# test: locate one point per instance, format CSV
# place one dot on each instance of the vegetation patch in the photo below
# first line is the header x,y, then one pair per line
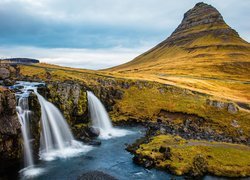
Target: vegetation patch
x,y
196,157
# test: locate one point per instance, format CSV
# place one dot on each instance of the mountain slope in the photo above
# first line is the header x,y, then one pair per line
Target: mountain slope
x,y
202,45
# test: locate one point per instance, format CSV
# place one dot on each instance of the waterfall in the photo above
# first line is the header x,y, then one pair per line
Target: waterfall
x,y
100,118
56,138
55,131
23,113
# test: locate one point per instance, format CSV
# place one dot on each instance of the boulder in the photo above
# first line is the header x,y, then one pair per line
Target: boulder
x,y
4,73
93,132
96,175
232,108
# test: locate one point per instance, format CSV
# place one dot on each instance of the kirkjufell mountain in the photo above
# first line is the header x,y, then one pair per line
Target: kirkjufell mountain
x,y
202,45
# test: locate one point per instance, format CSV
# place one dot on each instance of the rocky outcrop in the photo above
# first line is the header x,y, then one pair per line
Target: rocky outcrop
x,y
231,107
71,98
18,61
34,119
8,74
10,132
96,175
207,18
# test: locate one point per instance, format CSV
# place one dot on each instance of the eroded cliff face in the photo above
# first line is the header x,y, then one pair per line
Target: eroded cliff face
x,y
11,140
201,20
10,129
181,111
8,74
71,98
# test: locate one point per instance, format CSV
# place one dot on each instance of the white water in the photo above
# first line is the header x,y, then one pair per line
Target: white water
x,y
100,119
23,116
56,140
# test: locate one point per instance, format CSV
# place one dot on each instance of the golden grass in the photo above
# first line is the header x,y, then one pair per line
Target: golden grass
x,y
146,102
223,159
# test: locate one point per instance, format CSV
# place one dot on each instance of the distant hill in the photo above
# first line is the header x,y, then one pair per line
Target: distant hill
x,y
202,45
18,61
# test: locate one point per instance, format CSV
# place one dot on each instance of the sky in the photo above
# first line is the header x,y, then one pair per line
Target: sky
x,y
97,34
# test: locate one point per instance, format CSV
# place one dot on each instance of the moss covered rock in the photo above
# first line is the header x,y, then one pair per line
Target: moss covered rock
x,y
195,157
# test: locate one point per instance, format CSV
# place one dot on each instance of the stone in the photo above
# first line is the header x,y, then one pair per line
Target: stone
x,y
93,132
8,82
232,108
96,175
235,124
4,73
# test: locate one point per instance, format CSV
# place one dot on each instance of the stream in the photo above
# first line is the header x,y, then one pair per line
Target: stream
x,y
110,157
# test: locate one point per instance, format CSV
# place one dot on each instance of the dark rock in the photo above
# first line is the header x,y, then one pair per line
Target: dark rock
x,y
8,82
4,73
162,149
10,132
96,175
147,162
118,94
91,142
93,132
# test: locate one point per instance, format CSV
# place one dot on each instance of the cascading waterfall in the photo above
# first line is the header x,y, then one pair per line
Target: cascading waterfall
x,y
100,118
23,113
55,131
56,137
56,140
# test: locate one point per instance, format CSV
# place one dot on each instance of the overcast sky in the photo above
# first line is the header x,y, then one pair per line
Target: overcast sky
x,y
99,33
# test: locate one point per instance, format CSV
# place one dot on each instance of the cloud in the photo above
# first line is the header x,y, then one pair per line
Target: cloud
x,y
102,23
60,26
79,58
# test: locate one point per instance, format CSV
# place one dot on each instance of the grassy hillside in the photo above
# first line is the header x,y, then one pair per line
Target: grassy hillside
x,y
202,54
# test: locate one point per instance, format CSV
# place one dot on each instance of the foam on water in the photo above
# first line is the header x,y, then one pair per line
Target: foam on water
x,y
76,149
31,172
112,133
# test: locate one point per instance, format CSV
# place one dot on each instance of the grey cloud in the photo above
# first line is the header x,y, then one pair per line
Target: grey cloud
x,y
100,24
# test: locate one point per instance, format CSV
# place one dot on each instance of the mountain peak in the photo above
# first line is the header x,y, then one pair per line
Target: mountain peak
x,y
201,14
203,44
202,19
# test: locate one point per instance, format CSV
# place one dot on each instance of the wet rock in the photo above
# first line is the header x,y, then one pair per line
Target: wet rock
x,y
147,162
93,132
91,142
96,175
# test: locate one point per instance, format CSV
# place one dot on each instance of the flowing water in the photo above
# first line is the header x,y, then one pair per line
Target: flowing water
x,y
70,157
111,158
23,113
56,140
100,119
